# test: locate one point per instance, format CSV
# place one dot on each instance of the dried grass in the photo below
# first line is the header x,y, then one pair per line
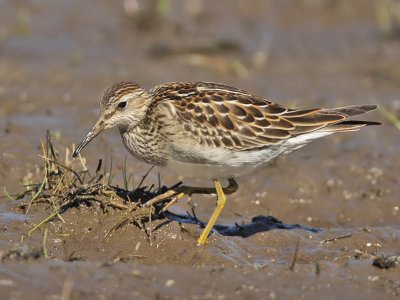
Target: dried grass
x,y
65,186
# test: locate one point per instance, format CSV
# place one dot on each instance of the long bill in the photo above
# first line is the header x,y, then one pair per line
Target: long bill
x,y
97,128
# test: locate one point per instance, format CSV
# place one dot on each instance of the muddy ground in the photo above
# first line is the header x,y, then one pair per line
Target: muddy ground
x,y
56,59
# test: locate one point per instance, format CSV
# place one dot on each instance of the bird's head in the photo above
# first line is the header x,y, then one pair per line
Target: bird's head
x,y
123,105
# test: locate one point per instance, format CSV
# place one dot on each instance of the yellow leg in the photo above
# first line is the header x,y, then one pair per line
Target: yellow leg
x,y
221,199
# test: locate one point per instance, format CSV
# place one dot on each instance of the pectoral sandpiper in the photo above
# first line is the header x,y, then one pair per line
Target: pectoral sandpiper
x,y
214,131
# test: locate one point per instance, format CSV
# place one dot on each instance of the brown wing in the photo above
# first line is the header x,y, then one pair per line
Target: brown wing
x,y
219,115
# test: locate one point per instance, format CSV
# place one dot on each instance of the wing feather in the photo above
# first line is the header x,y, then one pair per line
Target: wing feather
x,y
219,115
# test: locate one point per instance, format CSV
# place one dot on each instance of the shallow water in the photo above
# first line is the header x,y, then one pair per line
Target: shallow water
x,y
56,59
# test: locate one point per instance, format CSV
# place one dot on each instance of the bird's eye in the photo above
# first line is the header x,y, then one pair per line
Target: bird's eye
x,y
122,105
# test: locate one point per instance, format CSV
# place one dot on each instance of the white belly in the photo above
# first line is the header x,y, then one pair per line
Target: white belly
x,y
209,171
193,160
220,163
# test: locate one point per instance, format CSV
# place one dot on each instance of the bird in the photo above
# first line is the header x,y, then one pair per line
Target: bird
x,y
213,131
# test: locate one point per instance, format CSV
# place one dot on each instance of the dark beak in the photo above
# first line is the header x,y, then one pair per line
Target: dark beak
x,y
97,128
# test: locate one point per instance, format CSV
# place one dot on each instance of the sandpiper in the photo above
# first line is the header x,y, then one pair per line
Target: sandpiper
x,y
214,131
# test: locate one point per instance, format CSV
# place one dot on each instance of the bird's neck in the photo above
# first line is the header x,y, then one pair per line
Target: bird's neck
x,y
123,128
126,128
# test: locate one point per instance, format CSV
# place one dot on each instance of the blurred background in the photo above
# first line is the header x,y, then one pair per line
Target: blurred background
x,y
58,57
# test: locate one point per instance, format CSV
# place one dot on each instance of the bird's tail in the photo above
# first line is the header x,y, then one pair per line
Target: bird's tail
x,y
349,112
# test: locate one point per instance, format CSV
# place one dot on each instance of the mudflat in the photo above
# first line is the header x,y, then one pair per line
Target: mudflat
x,y
56,59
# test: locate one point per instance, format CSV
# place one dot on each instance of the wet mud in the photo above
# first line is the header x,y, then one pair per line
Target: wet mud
x,y
310,226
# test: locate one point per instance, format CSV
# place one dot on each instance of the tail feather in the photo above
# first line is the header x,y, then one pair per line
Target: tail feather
x,y
314,124
328,120
344,126
351,125
353,110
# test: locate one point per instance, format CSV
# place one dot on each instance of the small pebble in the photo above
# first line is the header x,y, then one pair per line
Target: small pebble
x,y
169,282
136,273
373,278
